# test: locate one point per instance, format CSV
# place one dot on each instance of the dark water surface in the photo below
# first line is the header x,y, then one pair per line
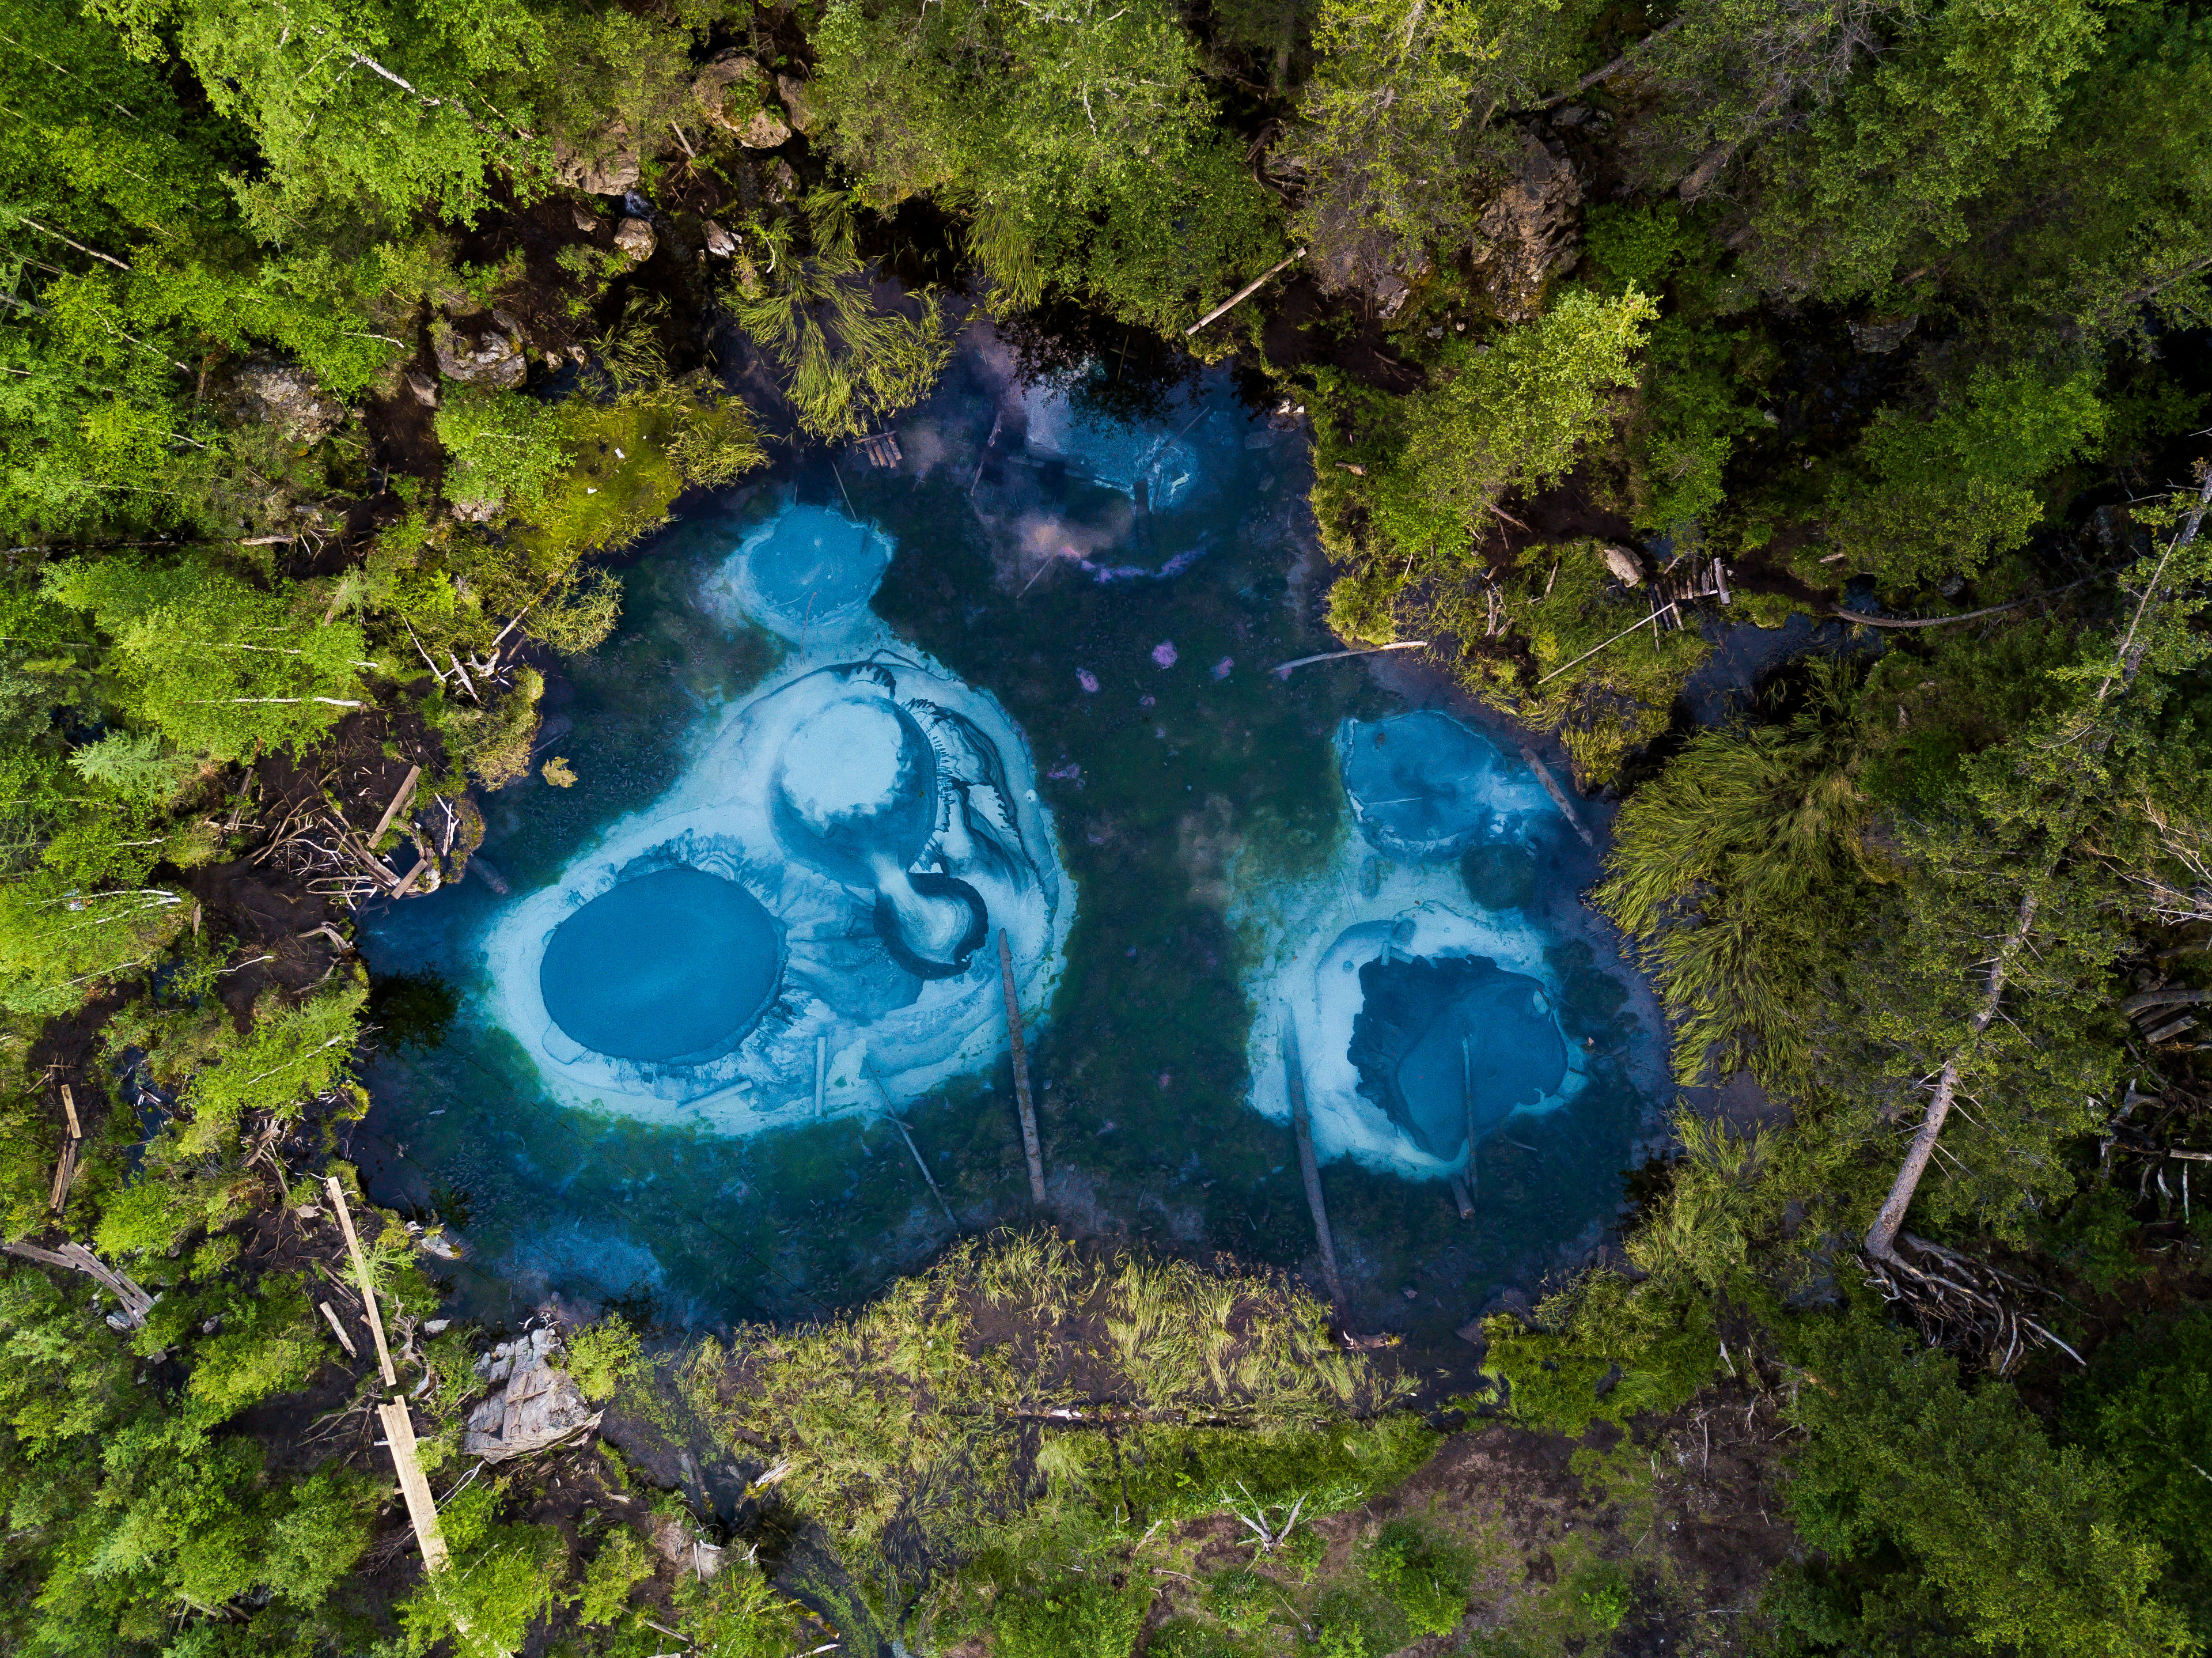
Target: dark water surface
x,y
1121,593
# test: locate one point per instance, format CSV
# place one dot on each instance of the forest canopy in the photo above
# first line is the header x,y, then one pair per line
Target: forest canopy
x,y
349,349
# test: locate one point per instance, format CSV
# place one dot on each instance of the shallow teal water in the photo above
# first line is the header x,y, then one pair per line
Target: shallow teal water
x,y
1189,791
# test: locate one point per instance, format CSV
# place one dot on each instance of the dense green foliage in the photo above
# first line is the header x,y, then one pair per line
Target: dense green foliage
x,y
345,345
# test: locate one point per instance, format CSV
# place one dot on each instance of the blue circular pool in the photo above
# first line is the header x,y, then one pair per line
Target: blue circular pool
x,y
671,968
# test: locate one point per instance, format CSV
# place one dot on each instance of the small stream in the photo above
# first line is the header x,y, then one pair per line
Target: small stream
x,y
859,725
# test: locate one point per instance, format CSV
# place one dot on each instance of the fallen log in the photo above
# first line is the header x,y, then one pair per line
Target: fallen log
x,y
1031,1148
1309,1167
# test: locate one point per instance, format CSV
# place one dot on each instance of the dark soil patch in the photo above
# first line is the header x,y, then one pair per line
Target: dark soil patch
x,y
1305,326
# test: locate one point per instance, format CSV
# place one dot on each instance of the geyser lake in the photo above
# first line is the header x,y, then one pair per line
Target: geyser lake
x,y
856,723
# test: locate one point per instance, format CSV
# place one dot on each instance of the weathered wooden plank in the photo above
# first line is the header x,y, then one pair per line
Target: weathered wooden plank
x,y
399,800
360,1276
422,1507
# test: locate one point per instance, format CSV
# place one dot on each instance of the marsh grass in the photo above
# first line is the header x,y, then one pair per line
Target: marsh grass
x,y
1005,1369
1564,601
996,1443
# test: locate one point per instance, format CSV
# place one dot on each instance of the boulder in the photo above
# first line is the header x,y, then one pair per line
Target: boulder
x,y
492,356
763,129
634,238
719,242
285,396
583,218
1348,257
539,1404
1627,569
422,387
730,89
1528,235
606,164
795,103
1882,334
782,182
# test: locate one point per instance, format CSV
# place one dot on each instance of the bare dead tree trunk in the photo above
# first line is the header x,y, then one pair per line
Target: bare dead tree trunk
x,y
1881,1236
2133,646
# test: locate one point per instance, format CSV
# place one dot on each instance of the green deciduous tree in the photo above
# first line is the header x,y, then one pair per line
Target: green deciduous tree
x,y
216,664
1075,139
1436,465
391,104
1394,139
1944,494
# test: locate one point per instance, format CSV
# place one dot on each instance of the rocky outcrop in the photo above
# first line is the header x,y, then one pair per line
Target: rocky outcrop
x,y
271,392
1528,233
533,1404
492,356
1880,336
606,164
796,106
732,90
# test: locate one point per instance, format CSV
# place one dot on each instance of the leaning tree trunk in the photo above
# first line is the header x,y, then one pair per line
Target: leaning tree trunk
x,y
2133,647
1881,1236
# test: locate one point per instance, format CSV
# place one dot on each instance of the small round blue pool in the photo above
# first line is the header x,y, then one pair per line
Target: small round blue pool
x,y
671,968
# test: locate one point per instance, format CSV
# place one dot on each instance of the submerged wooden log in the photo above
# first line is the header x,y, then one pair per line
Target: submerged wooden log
x,y
1031,1149
892,1111
1309,1167
1467,1088
1559,795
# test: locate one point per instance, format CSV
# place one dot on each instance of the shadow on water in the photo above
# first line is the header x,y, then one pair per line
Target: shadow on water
x,y
1180,773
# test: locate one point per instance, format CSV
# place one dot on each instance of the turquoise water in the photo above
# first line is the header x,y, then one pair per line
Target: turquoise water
x,y
1110,599
667,966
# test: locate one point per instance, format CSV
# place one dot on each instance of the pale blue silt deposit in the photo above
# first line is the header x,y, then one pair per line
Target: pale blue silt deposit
x,y
810,908
1421,1014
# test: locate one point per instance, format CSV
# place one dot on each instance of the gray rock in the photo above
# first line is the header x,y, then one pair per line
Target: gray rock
x,y
424,389
285,396
539,1405
494,357
1626,568
1879,335
606,164
719,242
765,129
730,90
1528,235
634,238
583,218
783,183
793,93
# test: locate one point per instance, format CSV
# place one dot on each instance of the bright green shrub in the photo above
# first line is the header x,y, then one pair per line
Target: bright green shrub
x,y
1077,1617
